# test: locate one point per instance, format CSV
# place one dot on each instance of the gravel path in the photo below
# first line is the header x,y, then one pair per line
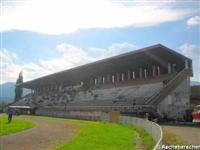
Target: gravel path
x,y
189,135
41,137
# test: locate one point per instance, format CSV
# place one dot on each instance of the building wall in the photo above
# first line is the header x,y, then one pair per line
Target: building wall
x,y
175,105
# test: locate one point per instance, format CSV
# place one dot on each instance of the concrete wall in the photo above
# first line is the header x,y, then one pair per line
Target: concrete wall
x,y
77,115
175,104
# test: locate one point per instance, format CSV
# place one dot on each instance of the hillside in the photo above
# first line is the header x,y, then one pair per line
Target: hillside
x,y
194,83
8,91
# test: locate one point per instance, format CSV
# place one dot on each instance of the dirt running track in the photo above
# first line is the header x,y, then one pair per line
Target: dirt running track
x,y
189,135
41,137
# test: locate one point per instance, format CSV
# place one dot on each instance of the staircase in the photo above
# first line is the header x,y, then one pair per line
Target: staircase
x,y
156,98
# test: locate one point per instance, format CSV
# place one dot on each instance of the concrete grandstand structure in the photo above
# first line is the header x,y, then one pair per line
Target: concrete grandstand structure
x,y
154,79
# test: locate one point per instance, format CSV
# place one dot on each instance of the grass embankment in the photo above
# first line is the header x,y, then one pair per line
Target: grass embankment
x,y
170,138
147,140
98,136
15,126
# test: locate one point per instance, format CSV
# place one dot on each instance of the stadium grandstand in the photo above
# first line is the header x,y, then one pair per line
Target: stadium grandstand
x,y
154,80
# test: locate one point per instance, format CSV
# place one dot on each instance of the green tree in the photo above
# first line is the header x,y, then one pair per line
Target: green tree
x,y
18,89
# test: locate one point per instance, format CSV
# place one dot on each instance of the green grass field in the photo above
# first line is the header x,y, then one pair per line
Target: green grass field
x,y
98,136
15,126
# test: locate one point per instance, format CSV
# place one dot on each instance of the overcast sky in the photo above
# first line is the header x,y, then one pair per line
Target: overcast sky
x,y
42,37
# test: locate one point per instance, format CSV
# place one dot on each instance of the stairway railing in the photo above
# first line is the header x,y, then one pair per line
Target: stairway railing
x,y
156,98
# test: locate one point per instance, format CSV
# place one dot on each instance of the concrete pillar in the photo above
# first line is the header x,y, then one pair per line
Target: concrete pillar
x,y
95,81
129,75
113,79
133,75
103,79
169,68
140,72
154,70
145,73
122,76
118,77
186,64
173,68
158,68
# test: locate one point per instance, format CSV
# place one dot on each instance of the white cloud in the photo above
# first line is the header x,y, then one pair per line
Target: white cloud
x,y
71,56
193,51
193,21
61,16
114,49
190,50
10,68
6,56
7,64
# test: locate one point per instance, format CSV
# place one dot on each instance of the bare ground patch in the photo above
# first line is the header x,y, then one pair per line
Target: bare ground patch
x,y
42,137
188,135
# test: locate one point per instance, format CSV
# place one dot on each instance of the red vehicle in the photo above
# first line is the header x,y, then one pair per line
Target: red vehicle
x,y
196,114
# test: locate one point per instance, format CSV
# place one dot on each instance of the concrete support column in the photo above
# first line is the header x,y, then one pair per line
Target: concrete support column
x,y
140,72
158,68
113,79
186,64
145,73
129,75
173,68
103,79
169,68
133,75
122,76
154,70
118,77
95,81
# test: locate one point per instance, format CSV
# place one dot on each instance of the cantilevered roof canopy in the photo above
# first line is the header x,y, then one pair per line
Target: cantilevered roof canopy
x,y
145,57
